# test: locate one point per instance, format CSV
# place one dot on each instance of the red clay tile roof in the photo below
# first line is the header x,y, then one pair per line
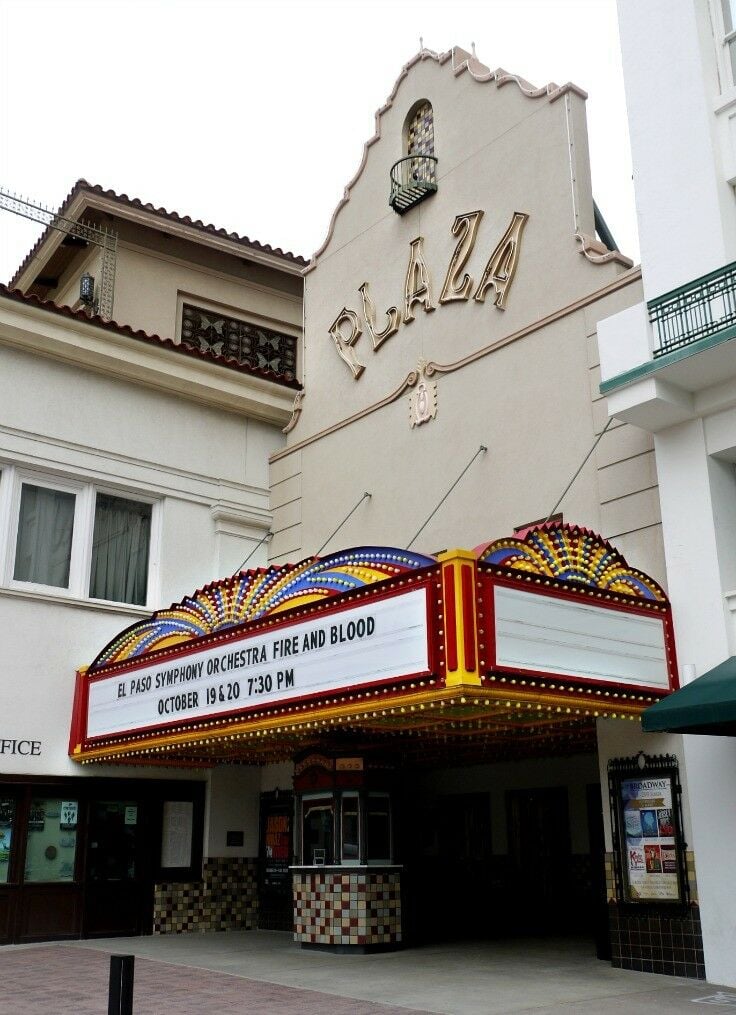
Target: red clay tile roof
x,y
171,216
141,336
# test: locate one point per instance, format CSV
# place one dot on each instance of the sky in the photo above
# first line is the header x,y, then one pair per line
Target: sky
x,y
252,115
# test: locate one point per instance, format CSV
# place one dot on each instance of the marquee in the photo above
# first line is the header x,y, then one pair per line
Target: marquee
x,y
519,643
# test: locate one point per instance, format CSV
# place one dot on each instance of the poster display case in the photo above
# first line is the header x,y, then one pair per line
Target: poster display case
x,y
649,847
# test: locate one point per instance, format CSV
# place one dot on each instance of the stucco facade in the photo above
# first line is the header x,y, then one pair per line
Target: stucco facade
x,y
521,379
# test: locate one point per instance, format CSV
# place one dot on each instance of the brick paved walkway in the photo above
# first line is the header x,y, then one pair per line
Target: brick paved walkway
x,y
64,980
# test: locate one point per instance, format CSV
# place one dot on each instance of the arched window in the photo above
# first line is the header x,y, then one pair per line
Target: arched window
x,y
420,130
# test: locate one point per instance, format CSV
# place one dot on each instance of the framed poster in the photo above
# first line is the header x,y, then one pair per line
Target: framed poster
x,y
647,829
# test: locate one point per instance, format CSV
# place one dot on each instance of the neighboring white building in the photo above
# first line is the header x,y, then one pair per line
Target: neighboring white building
x,y
132,467
668,366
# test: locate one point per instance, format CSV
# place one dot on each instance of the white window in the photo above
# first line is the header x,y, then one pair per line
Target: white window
x,y
729,27
68,537
121,543
43,548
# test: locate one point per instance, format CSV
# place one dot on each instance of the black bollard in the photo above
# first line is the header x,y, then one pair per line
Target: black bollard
x,y
120,994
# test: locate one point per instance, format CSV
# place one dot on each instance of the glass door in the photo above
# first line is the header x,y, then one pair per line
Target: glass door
x,y
113,895
275,900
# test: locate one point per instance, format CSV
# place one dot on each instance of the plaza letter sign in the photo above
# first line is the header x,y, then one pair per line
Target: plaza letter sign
x,y
376,642
497,277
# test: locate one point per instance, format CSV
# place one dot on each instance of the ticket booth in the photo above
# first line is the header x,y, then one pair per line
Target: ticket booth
x,y
345,852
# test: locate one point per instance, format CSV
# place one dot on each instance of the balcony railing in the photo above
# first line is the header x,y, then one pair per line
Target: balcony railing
x,y
251,345
695,311
412,179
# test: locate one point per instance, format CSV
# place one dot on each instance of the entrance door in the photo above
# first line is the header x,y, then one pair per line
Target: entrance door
x,y
117,891
539,850
448,878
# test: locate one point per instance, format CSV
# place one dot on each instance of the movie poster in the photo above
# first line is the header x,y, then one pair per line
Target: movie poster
x,y
650,847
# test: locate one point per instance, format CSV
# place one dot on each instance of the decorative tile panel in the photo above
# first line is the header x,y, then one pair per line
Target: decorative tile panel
x,y
225,899
359,908
252,345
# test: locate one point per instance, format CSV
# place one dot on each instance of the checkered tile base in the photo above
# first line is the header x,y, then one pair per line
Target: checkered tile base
x,y
225,899
658,939
361,908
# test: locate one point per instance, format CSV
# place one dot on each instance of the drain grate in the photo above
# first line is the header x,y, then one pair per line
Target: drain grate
x,y
720,998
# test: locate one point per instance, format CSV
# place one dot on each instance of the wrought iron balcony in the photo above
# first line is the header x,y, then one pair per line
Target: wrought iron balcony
x,y
698,310
412,179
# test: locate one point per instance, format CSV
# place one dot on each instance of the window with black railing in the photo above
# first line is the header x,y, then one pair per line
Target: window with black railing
x,y
414,177
699,310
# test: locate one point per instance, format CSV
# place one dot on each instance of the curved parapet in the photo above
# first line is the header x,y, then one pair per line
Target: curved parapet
x,y
461,62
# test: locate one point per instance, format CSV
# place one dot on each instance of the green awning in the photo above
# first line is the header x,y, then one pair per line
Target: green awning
x,y
706,705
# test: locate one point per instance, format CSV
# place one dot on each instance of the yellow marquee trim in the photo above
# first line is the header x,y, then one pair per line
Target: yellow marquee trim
x,y
546,704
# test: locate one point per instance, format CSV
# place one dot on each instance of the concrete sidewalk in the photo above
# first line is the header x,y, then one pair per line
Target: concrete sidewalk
x,y
266,973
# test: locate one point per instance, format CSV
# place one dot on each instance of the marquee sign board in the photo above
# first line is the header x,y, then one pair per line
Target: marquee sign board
x,y
543,633
375,642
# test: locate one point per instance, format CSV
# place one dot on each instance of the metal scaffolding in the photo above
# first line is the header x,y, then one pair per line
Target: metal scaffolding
x,y
105,239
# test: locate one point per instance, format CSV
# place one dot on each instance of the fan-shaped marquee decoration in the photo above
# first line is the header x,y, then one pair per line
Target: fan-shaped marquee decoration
x,y
252,595
574,554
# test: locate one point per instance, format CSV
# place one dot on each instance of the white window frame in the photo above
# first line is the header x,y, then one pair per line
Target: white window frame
x,y
154,545
728,39
25,477
12,478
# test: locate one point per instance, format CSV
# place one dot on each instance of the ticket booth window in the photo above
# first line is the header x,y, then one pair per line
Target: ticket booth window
x,y
318,824
378,828
350,828
344,811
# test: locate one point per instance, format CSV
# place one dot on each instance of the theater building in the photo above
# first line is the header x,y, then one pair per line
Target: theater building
x,y
421,720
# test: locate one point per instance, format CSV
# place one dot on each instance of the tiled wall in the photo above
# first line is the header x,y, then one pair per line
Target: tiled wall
x,y
225,899
359,908
657,940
